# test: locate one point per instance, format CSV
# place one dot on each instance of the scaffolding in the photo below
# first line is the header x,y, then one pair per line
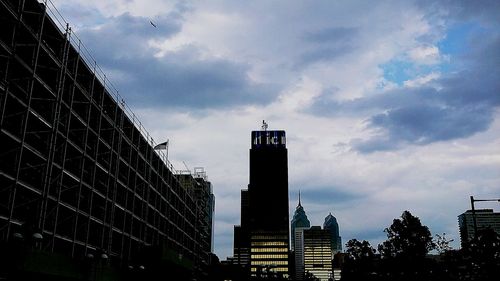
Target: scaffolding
x,y
76,164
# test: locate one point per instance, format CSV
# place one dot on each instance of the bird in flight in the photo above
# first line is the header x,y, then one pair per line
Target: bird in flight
x,y
152,23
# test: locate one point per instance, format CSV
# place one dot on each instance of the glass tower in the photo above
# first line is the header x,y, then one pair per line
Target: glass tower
x,y
299,220
298,225
332,225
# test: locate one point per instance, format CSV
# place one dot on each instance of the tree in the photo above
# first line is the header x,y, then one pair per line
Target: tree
x,y
483,253
442,244
359,250
407,238
360,261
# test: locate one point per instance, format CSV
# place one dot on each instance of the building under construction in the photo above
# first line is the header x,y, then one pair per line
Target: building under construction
x,y
80,179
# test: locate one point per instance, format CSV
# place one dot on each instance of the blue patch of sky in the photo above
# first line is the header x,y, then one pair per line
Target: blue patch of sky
x,y
455,43
460,39
398,70
456,40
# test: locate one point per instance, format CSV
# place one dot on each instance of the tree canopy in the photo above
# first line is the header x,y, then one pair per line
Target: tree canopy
x,y
358,250
403,256
407,237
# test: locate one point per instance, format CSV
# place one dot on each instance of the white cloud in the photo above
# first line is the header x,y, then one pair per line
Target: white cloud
x,y
421,80
301,96
425,54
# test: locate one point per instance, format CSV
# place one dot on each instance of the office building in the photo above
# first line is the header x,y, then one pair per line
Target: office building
x,y
485,218
78,172
318,253
332,225
299,223
264,222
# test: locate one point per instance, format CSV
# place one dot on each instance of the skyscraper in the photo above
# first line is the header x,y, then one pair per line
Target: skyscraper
x,y
299,220
332,225
298,225
264,221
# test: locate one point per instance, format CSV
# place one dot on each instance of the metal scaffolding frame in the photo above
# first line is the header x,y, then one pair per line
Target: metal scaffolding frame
x,y
76,164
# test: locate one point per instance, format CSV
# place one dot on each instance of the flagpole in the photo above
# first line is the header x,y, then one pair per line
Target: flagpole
x,y
162,146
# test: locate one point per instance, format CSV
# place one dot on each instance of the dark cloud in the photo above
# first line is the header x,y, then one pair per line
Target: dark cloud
x,y
323,54
325,195
423,125
378,143
202,84
373,104
486,11
178,79
331,35
458,105
372,236
327,44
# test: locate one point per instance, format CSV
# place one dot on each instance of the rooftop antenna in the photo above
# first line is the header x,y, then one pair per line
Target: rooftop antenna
x,y
299,199
264,125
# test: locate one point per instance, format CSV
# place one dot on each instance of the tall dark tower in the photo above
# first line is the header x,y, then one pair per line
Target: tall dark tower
x,y
268,202
268,188
261,242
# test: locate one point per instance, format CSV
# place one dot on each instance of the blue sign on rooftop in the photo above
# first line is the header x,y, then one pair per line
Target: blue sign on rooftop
x,y
268,138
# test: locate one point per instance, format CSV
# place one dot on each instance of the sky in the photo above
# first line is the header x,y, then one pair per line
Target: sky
x,y
388,105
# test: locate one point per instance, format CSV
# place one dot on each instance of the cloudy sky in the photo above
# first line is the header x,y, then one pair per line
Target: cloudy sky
x,y
388,105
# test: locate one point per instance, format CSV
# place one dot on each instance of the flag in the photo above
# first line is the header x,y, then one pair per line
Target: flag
x,y
163,145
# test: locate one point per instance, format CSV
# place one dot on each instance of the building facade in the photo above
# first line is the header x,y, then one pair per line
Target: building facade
x,y
318,253
264,222
201,189
485,218
78,171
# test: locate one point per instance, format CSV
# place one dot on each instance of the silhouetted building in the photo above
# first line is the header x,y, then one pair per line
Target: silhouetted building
x,y
200,188
332,225
318,252
299,223
485,218
264,221
241,249
78,173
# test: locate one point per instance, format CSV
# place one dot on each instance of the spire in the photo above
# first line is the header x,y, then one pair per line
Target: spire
x,y
300,217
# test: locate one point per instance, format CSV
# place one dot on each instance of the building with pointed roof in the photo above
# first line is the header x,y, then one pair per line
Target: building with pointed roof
x,y
332,225
300,222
